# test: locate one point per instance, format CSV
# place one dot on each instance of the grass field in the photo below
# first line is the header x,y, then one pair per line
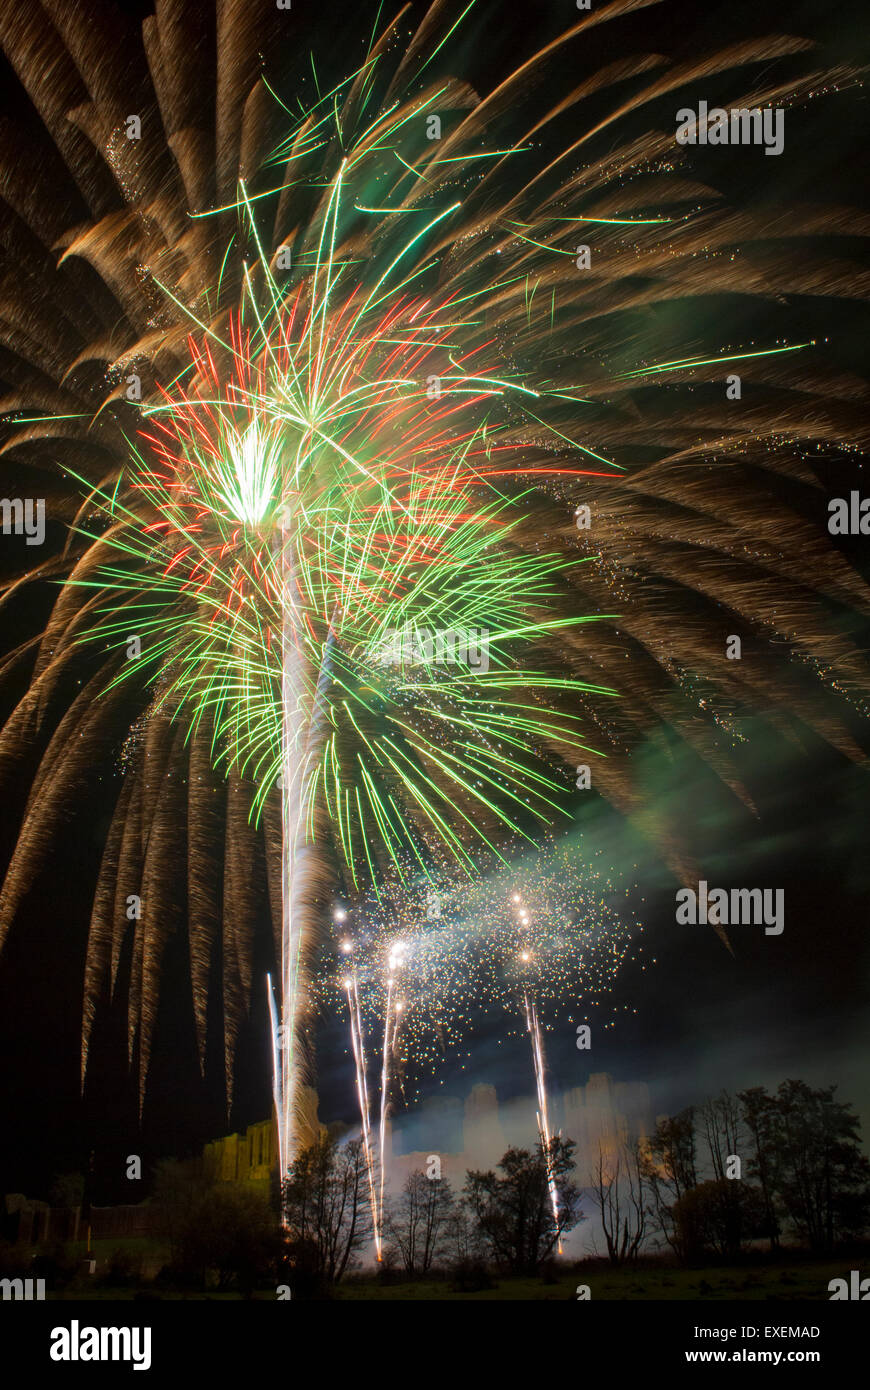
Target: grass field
x,y
784,1281
791,1277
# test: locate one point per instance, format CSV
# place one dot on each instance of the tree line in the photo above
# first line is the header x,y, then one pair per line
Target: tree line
x,y
739,1171
503,1218
755,1166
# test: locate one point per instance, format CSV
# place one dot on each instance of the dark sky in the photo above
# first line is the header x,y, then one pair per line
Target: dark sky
x,y
795,1005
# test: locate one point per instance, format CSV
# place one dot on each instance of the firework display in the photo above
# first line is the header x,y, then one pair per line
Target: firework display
x,y
398,498
552,928
415,965
295,556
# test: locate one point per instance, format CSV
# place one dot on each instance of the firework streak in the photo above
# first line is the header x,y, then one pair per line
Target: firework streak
x,y
359,1058
542,1112
392,1017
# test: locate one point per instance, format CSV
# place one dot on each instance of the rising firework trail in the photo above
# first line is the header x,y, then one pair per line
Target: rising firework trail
x,y
385,1082
359,1057
533,1027
542,1113
393,1009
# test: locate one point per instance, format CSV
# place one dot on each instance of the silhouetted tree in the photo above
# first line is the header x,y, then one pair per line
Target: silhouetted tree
x,y
227,1228
717,1217
464,1241
514,1211
722,1128
419,1223
760,1121
669,1167
327,1208
823,1179
732,1210
802,1148
618,1189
